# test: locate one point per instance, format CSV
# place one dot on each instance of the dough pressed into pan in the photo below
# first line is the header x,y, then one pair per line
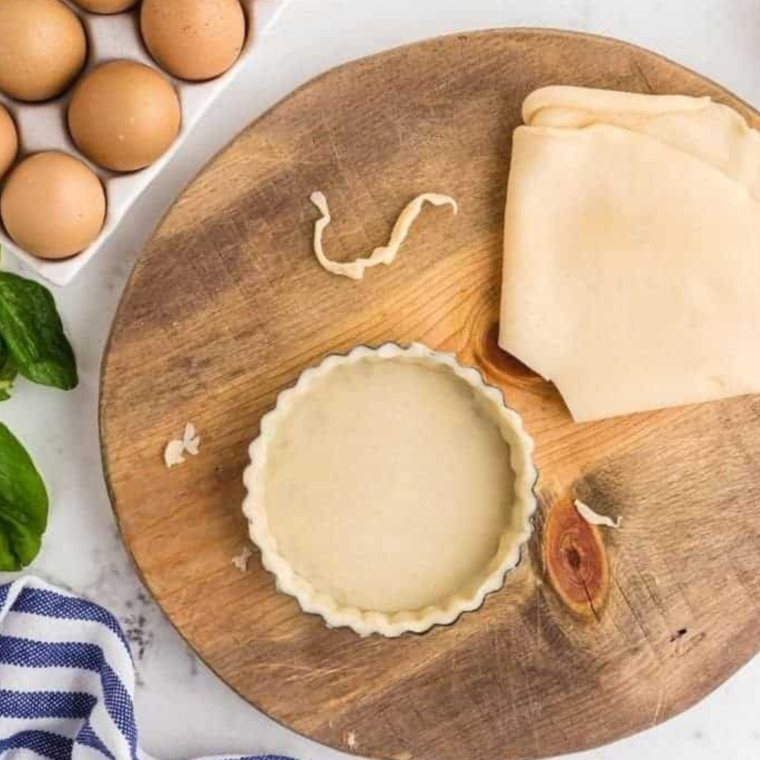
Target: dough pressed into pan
x,y
390,490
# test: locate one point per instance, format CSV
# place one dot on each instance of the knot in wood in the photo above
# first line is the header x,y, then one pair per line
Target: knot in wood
x,y
575,560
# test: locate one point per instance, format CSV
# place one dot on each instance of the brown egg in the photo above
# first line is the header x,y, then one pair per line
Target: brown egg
x,y
42,48
124,115
106,6
193,39
53,205
8,141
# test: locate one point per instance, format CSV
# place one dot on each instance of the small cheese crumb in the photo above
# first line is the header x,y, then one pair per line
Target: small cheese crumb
x,y
173,453
191,440
189,433
241,561
593,518
382,255
176,449
351,740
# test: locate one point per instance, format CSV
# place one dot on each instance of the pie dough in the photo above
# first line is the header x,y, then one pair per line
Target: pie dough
x,y
390,490
632,250
385,254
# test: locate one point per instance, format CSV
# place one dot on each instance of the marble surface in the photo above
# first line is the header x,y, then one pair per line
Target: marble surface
x,y
183,709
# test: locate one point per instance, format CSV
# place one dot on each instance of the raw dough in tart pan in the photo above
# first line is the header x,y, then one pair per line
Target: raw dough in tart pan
x,y
390,490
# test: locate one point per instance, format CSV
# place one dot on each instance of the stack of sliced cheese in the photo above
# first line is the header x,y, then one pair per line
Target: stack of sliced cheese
x,y
632,250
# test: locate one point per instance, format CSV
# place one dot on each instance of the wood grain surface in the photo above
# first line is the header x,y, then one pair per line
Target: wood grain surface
x,y
598,633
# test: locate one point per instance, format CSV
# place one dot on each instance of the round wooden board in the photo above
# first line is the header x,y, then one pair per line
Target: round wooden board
x,y
596,635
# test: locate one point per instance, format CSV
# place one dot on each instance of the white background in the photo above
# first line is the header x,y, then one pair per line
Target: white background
x,y
184,710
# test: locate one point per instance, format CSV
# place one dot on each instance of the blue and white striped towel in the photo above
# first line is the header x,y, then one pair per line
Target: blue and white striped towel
x,y
67,678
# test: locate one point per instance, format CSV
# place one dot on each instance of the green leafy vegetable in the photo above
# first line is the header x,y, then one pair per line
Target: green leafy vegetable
x,y
33,333
8,372
23,504
32,344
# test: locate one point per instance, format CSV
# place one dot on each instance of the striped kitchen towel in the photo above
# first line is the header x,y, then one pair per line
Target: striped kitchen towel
x,y
67,679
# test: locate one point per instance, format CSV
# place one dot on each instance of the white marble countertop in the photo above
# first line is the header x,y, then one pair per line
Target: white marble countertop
x,y
183,710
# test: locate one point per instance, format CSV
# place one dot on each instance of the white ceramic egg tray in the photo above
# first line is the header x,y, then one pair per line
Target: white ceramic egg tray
x,y
43,126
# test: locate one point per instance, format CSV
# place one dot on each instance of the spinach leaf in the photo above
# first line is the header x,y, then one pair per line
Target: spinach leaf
x,y
8,372
33,333
7,557
23,504
7,377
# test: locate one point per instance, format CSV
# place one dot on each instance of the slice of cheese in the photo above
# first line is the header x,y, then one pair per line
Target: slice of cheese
x,y
632,250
